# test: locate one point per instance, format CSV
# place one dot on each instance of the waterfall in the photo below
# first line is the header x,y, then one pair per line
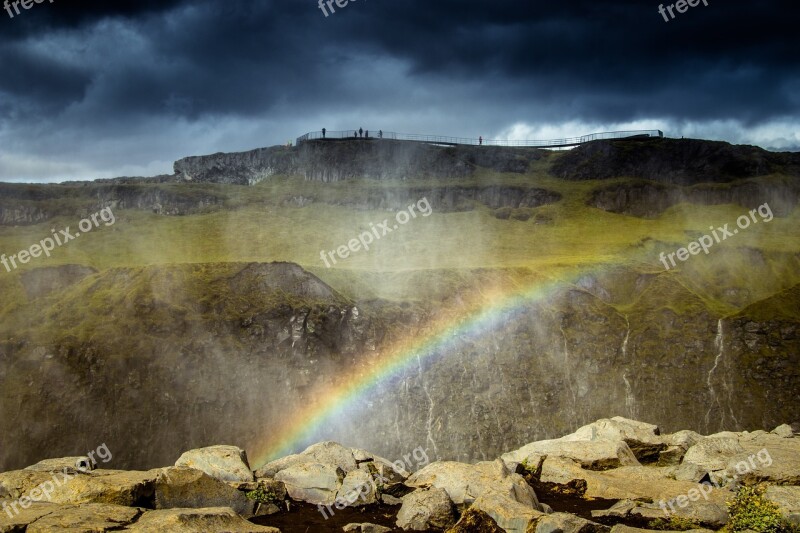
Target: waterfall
x,y
630,399
719,344
429,423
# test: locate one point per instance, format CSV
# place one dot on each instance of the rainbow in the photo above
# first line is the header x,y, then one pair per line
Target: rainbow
x,y
461,321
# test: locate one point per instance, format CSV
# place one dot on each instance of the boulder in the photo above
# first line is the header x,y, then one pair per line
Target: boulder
x,y
788,501
713,453
196,521
366,528
464,483
620,528
183,487
312,482
19,519
566,523
358,488
510,515
643,439
86,517
127,488
621,509
226,463
591,454
769,457
474,520
19,483
784,430
707,513
426,509
629,482
71,464
325,453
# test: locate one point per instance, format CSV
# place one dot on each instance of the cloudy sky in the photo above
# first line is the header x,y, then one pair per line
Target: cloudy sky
x,y
101,88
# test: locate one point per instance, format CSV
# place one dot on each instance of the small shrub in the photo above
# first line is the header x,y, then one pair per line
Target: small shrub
x,y
262,495
750,510
673,523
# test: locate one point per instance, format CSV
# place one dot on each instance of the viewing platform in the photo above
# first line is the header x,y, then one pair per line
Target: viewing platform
x,y
458,141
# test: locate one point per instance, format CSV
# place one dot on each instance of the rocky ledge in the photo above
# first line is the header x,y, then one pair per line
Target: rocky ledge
x,y
616,475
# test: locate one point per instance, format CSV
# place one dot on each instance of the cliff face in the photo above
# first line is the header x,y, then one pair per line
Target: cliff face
x,y
648,199
165,358
676,161
338,160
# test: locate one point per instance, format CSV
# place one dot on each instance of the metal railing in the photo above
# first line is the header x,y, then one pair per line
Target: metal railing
x,y
439,139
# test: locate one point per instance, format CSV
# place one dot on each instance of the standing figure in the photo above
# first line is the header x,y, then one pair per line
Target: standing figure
x,y
380,134
323,133
361,131
480,140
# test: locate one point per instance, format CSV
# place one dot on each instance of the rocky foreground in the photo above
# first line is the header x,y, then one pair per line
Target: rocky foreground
x,y
624,470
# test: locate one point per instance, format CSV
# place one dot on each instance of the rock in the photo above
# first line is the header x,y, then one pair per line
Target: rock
x,y
592,455
367,528
707,513
620,528
388,499
18,519
566,523
684,438
266,509
311,482
426,509
688,472
86,517
325,453
196,521
768,457
71,464
475,521
464,483
629,482
510,515
788,501
643,439
226,463
127,488
183,487
358,489
784,430
672,455
19,483
713,453
677,444
546,509
621,509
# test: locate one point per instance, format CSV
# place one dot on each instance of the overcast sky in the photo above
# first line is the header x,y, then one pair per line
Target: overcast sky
x,y
104,88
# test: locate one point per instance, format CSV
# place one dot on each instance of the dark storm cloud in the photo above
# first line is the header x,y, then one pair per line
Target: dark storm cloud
x,y
107,68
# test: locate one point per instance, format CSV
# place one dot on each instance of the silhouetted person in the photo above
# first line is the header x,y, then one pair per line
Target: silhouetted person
x,y
380,134
323,133
366,134
355,134
361,131
480,140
